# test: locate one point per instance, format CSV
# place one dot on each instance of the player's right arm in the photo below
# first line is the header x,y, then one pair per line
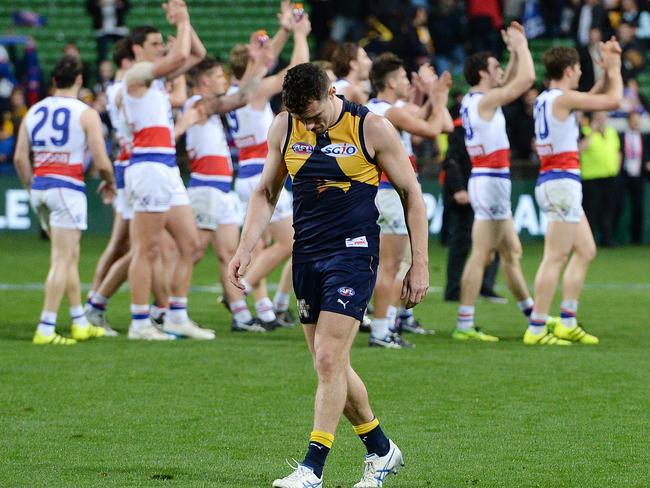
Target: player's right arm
x,y
92,126
262,201
610,97
22,161
524,75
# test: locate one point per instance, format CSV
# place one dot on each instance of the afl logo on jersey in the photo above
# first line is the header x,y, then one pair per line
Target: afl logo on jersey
x,y
302,148
340,150
346,291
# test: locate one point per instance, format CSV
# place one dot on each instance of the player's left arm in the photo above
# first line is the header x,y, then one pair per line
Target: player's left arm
x,y
382,138
22,161
262,201
92,126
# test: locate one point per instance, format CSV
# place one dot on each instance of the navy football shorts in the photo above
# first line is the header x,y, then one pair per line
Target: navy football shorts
x,y
340,284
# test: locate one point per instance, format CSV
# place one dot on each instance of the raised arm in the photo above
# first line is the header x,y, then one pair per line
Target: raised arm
x,y
272,85
197,53
179,53
524,76
382,138
256,69
22,162
512,61
262,200
92,126
610,99
285,19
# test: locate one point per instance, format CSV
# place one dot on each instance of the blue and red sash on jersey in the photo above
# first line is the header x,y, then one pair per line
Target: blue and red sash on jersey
x,y
251,159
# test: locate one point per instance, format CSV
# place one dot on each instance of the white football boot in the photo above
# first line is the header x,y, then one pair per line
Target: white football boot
x,y
302,477
149,333
188,329
376,468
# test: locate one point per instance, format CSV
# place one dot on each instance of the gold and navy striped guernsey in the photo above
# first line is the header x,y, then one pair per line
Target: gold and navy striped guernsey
x,y
334,182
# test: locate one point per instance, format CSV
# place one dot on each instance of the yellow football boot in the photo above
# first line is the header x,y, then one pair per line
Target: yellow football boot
x,y
573,334
546,338
54,339
473,334
85,332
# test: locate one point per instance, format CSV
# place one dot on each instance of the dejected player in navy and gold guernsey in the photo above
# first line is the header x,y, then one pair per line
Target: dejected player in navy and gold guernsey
x,y
334,151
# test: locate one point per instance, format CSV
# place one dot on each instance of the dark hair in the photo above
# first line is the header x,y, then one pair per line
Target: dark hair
x,y
474,64
203,67
382,67
557,59
238,60
139,34
66,71
121,51
346,52
302,85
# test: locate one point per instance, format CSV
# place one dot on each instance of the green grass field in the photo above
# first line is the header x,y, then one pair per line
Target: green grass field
x,y
227,413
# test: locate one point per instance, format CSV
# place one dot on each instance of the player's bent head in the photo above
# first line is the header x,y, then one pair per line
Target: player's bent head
x,y
385,66
304,84
238,59
67,72
476,63
122,53
345,54
204,69
558,59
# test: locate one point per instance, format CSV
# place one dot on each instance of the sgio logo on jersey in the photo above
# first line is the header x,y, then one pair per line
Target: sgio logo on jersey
x,y
340,150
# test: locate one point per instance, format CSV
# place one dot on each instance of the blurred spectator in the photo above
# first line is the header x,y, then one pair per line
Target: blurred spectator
x,y
485,19
553,11
521,125
589,59
600,160
448,26
17,108
104,76
643,31
631,180
348,22
633,100
634,54
591,14
421,25
108,22
7,79
99,104
71,49
459,216
7,144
